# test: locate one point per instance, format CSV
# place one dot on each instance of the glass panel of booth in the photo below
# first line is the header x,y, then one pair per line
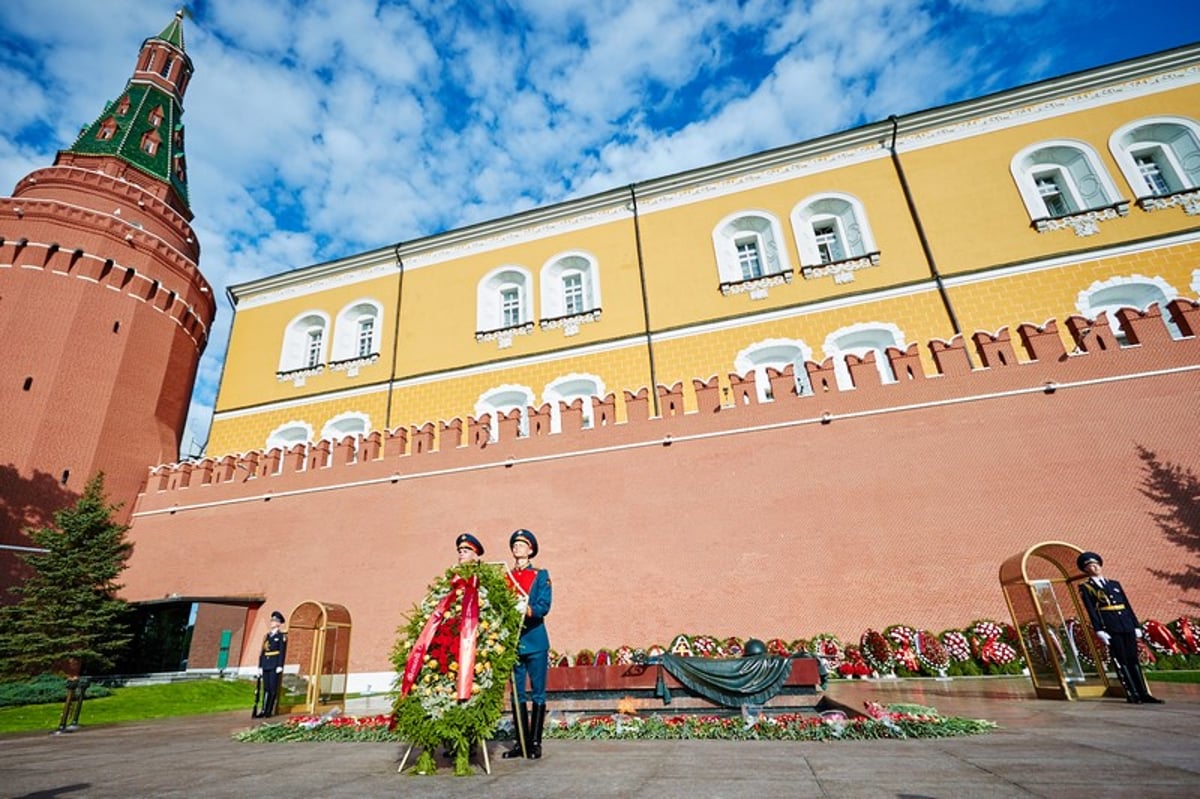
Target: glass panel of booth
x,y
318,658
1057,641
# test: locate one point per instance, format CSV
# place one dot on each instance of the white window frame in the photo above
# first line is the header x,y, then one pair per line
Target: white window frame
x,y
554,274
289,434
350,423
346,330
776,353
738,226
1149,133
503,399
1081,176
1127,291
849,217
293,353
489,313
858,340
569,388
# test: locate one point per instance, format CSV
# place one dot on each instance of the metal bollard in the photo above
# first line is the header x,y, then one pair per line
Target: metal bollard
x,y
68,706
84,684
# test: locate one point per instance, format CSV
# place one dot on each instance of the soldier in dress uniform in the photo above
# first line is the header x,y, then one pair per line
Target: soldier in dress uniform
x,y
469,548
270,664
1116,624
532,586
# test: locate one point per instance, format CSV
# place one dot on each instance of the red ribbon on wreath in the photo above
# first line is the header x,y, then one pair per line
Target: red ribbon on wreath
x,y
468,632
1161,635
1188,632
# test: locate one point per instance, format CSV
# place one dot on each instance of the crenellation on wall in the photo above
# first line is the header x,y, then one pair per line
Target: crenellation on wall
x,y
1144,327
864,371
950,357
1092,336
670,400
1185,314
744,390
994,349
637,405
318,455
906,363
1042,343
570,415
1149,346
421,439
708,395
345,451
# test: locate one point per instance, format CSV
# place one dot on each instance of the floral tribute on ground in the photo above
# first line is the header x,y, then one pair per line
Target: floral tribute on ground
x,y
893,721
454,658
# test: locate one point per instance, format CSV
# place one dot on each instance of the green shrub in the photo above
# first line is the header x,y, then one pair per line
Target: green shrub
x,y
43,690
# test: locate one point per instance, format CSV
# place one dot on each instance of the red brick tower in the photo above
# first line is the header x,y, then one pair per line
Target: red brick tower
x,y
103,311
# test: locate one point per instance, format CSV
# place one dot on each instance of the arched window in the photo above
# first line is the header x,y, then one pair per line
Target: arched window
x,y
749,247
831,227
858,340
570,292
304,342
504,399
1135,291
346,424
289,434
1159,156
568,389
776,353
503,304
357,332
1065,180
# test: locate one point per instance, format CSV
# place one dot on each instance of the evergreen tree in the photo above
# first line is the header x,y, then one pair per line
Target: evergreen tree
x,y
68,618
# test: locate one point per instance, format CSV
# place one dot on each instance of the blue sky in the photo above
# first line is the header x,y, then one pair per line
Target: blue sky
x,y
320,129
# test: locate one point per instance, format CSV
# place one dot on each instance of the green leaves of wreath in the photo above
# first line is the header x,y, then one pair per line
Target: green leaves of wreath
x,y
431,715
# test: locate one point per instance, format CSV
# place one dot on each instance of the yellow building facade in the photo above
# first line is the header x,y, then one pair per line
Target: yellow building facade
x,y
1073,196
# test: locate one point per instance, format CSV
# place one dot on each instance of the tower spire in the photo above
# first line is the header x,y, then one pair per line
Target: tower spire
x,y
143,126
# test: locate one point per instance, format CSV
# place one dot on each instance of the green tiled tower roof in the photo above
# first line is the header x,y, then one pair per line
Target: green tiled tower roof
x,y
143,126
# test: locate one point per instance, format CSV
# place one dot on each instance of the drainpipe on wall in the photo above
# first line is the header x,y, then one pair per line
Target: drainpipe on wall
x,y
387,421
916,218
637,237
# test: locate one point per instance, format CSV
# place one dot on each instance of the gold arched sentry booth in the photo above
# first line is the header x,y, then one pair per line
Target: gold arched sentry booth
x,y
318,658
1056,638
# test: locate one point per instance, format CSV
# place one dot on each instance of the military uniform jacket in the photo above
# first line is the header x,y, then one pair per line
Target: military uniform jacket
x,y
274,649
1108,607
535,583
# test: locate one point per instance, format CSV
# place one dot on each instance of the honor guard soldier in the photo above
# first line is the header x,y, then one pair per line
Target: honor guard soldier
x,y
1116,624
469,548
270,663
532,586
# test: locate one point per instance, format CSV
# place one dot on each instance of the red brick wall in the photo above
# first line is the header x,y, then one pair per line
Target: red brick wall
x,y
755,520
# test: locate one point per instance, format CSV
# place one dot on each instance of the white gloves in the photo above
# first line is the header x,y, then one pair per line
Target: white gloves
x,y
1138,632
523,605
279,669
1105,637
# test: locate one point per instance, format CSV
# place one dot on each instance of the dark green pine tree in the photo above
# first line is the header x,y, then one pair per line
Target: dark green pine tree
x,y
68,618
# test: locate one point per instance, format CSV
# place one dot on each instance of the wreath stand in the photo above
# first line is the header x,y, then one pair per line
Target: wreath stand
x,y
487,765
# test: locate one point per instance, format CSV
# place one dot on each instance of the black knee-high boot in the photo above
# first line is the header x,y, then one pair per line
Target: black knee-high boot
x,y
521,723
537,723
